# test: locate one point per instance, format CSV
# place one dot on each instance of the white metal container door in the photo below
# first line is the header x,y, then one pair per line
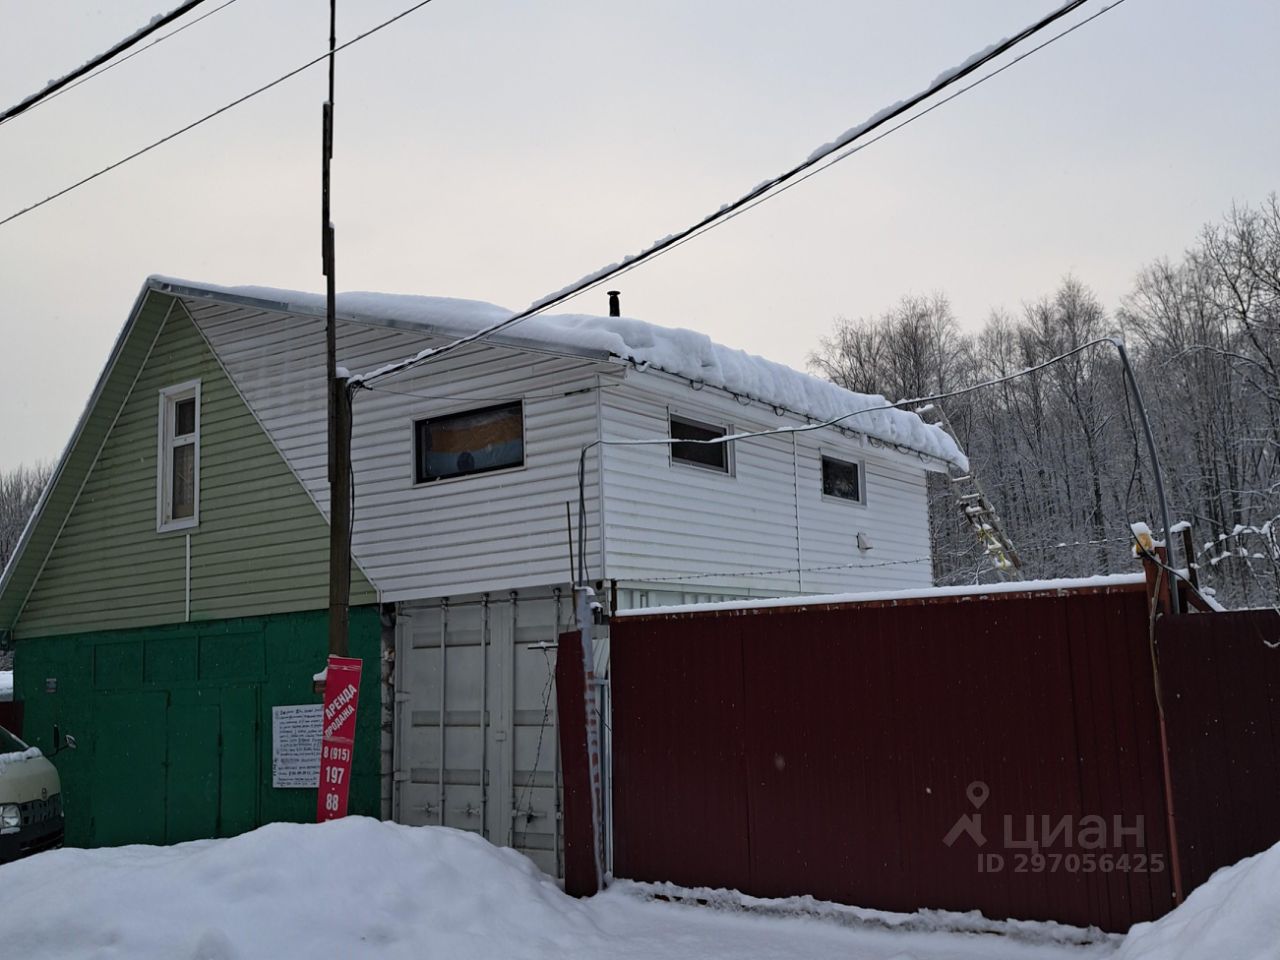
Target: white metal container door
x,y
475,693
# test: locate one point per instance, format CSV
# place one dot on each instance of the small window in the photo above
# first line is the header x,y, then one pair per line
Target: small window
x,y
713,456
473,442
178,482
841,479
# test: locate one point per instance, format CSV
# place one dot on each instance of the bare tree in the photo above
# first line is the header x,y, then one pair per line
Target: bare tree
x,y
1059,452
20,488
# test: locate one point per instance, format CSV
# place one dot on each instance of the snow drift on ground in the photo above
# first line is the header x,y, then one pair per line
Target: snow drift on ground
x,y
685,353
354,889
1234,916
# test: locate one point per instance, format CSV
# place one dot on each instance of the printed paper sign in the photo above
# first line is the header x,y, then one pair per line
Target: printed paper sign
x,y
341,696
295,745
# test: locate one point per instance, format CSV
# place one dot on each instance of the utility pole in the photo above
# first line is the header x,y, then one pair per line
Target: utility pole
x,y
339,415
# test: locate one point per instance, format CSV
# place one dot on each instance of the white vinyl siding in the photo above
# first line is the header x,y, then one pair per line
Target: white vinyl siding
x,y
668,528
497,531
769,515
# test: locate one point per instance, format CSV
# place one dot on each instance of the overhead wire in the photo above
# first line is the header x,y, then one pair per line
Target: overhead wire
x,y
115,63
748,200
802,428
53,86
218,112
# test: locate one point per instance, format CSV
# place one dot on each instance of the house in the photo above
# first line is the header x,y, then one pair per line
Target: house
x,y
171,588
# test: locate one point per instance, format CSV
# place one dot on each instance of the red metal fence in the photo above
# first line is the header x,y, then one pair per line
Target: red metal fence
x,y
998,752
1221,681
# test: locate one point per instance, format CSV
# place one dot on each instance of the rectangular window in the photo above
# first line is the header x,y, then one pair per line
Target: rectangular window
x,y
841,479
178,478
476,441
713,456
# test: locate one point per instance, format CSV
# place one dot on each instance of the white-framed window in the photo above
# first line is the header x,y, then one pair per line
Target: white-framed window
x,y
708,456
468,442
843,480
178,460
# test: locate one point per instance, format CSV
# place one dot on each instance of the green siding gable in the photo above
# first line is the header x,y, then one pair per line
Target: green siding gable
x,y
261,545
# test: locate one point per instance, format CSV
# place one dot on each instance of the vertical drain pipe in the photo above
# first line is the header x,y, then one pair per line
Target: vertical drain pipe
x,y
515,686
484,710
556,851
444,639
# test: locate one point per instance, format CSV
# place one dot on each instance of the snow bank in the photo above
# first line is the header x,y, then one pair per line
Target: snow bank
x,y
351,888
357,889
684,353
911,593
1235,916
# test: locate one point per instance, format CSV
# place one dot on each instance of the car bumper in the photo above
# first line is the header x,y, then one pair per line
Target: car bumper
x,y
30,839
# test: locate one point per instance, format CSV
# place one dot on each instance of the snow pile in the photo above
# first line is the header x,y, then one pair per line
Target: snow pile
x,y
1234,916
351,888
357,889
6,684
684,353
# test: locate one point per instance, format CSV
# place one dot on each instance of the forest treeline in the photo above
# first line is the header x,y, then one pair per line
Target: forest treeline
x,y
1060,453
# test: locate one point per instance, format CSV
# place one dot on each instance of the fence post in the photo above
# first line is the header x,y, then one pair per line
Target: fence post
x,y
581,841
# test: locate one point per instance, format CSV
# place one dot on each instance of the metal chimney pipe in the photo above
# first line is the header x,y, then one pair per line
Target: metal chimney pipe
x,y
615,308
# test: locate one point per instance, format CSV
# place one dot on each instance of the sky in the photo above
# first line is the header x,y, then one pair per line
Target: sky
x,y
500,149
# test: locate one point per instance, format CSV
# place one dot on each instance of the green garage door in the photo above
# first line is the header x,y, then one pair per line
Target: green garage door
x,y
128,780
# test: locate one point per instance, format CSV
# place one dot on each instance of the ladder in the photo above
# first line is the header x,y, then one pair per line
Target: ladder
x,y
976,508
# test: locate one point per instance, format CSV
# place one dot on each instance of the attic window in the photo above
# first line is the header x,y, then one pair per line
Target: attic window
x,y
178,459
842,479
477,441
711,456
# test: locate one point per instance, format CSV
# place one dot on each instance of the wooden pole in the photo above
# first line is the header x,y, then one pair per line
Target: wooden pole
x,y
339,413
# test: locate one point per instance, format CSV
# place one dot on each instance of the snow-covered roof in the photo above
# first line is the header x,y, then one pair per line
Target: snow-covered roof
x,y
1117,581
683,353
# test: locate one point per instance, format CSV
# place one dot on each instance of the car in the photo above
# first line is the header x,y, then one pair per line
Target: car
x,y
31,818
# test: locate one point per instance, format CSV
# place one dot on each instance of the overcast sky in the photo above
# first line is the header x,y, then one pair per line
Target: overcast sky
x,y
499,149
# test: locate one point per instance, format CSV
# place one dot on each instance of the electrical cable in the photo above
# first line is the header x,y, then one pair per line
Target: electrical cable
x,y
54,86
110,66
729,209
209,116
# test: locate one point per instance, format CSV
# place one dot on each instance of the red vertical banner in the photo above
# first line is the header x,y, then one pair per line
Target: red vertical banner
x,y
341,696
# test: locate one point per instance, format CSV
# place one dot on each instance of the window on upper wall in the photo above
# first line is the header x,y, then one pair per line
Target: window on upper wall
x,y
476,441
842,479
711,456
178,459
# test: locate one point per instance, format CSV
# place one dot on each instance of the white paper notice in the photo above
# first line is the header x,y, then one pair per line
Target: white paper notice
x,y
295,745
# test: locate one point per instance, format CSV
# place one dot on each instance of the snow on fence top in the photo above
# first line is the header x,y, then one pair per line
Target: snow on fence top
x,y
684,353
909,595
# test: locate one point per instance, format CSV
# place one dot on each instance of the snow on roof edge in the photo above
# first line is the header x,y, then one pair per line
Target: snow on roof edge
x,y
680,352
914,593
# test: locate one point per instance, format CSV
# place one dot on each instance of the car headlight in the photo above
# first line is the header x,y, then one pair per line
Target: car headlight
x,y
10,818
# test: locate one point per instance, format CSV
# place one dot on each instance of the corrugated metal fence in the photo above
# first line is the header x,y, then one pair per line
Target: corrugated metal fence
x,y
997,752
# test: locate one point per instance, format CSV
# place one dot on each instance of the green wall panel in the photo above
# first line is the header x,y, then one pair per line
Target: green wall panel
x,y
261,545
174,722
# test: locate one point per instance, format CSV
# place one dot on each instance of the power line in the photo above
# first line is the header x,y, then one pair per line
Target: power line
x,y
137,36
805,428
110,66
726,211
858,148
221,110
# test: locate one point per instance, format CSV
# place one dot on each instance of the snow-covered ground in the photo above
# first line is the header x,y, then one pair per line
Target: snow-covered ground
x,y
6,684
357,888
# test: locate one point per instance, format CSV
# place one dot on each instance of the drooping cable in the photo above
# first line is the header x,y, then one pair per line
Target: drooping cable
x,y
728,210
209,116
53,95
53,86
